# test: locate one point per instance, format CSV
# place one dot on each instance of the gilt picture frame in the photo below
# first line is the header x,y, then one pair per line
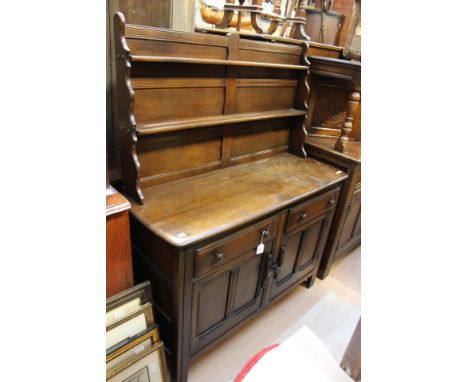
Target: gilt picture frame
x,y
129,325
147,366
127,301
132,347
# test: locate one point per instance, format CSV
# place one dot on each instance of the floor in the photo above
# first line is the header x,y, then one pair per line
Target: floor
x,y
331,309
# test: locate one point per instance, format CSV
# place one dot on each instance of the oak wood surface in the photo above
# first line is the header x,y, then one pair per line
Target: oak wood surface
x,y
214,120
183,60
352,150
193,209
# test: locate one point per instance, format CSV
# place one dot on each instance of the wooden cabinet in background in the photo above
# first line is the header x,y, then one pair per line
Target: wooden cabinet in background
x,y
334,100
332,82
119,271
345,233
351,231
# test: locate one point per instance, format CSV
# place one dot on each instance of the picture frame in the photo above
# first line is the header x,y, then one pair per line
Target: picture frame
x,y
132,347
129,325
147,366
127,301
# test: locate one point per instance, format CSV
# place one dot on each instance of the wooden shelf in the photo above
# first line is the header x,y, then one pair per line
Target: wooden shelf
x,y
196,123
183,60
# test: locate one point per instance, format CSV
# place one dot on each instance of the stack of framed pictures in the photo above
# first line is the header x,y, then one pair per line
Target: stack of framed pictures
x,y
134,351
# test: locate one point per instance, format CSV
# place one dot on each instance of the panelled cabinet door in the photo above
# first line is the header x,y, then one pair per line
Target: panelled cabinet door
x,y
299,254
226,296
351,231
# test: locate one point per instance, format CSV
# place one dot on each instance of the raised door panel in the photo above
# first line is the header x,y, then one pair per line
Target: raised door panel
x,y
226,296
300,254
298,257
288,257
212,303
310,246
248,278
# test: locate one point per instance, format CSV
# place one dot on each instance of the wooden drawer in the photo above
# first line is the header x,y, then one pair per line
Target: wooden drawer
x,y
311,209
220,252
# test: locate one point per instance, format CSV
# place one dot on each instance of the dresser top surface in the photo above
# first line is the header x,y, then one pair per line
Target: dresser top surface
x,y
186,211
352,150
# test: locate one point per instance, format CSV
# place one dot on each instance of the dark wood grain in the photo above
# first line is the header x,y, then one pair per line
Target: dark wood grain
x,y
171,209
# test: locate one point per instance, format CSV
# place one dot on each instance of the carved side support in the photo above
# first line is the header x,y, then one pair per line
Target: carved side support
x,y
347,126
299,133
125,117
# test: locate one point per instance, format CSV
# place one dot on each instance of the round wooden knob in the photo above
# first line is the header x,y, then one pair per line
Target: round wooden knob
x,y
219,256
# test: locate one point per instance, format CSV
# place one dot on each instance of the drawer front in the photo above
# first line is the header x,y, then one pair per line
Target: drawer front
x,y
221,252
308,211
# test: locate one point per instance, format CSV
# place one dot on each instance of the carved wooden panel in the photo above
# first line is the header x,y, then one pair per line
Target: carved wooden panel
x,y
330,107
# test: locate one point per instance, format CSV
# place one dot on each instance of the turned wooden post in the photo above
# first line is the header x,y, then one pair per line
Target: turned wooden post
x,y
275,22
347,126
227,17
255,16
298,22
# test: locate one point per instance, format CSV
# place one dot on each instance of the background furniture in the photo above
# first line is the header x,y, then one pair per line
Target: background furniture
x,y
345,8
345,233
332,26
119,272
227,211
351,361
352,45
334,84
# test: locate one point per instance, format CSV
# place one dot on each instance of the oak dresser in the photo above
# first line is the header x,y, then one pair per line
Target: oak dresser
x,y
228,212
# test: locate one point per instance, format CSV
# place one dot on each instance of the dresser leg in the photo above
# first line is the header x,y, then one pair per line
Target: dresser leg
x,y
309,282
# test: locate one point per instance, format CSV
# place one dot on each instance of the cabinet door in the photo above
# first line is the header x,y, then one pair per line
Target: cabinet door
x,y
227,295
351,231
299,255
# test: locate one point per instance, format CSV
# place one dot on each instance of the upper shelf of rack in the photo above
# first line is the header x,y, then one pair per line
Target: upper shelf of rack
x,y
201,61
194,123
